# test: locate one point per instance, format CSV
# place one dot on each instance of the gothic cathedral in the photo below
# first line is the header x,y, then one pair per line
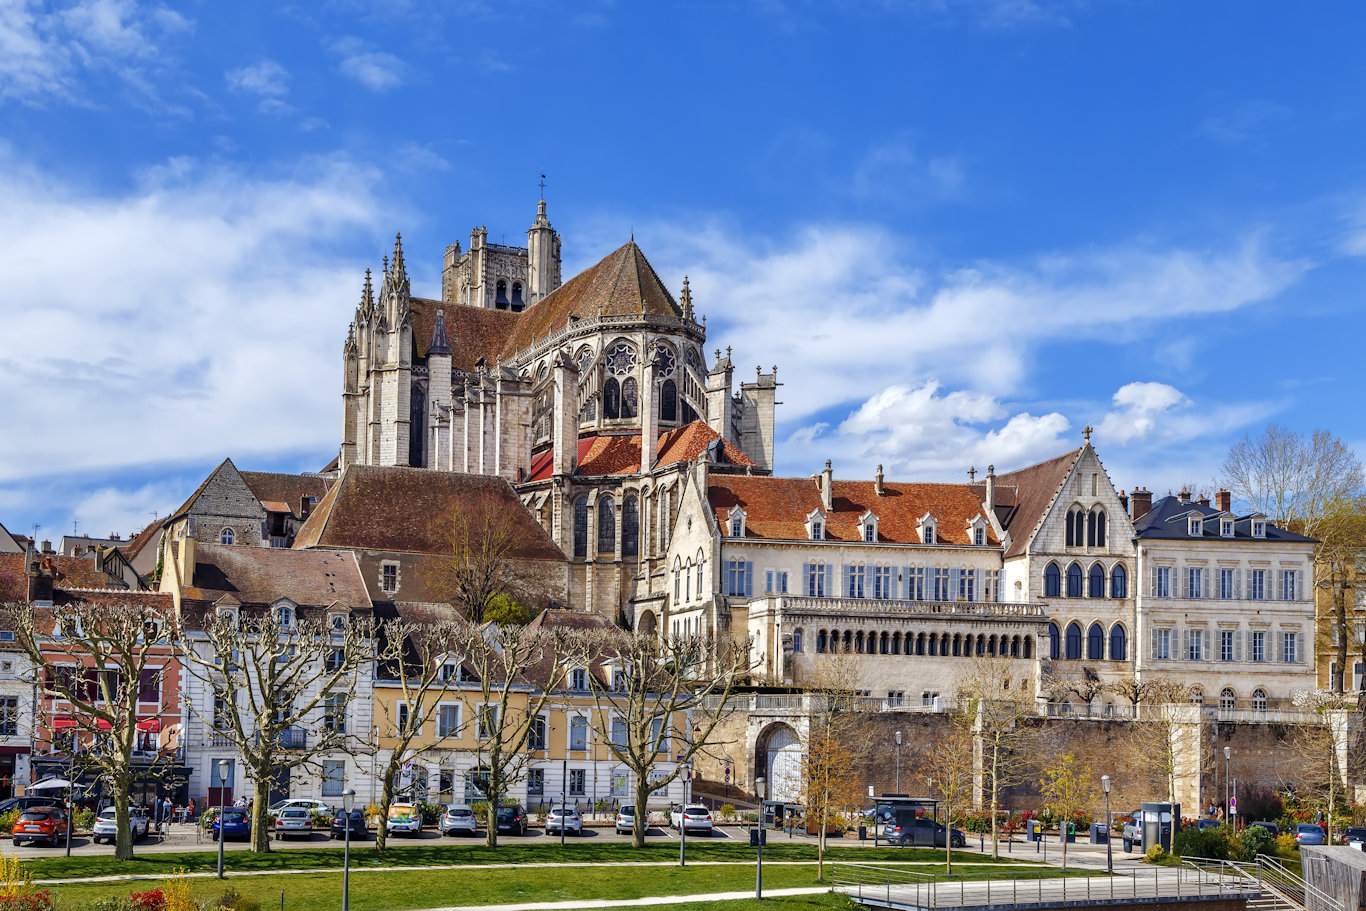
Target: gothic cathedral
x,y
590,397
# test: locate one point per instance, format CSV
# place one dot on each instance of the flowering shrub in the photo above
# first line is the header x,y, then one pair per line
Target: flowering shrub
x,y
151,900
35,901
7,820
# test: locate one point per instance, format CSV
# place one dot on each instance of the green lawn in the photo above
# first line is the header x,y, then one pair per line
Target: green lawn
x,y
435,854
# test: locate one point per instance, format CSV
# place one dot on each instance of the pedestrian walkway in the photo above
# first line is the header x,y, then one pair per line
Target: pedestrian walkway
x,y
638,902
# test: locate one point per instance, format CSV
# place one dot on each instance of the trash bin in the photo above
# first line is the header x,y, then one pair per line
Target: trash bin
x,y
862,833
1067,833
1034,830
1100,833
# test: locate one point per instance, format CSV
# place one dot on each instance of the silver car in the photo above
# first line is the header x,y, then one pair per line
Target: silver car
x,y
694,818
564,818
459,819
107,827
294,821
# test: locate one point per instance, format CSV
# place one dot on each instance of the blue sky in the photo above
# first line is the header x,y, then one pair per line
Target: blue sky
x,y
961,230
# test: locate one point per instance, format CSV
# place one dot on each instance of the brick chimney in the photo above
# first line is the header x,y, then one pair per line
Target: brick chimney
x,y
827,487
1142,500
1184,496
989,495
877,482
39,579
1203,501
101,554
188,552
1223,501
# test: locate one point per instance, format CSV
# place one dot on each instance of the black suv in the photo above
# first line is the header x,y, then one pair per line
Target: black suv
x,y
512,819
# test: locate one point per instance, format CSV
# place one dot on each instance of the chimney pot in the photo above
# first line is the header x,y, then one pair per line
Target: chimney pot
x,y
1142,502
827,487
1203,501
877,482
1124,501
1185,495
1223,501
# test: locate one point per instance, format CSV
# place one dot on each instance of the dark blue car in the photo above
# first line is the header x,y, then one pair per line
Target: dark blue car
x,y
236,823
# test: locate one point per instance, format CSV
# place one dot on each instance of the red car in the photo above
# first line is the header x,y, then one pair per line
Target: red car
x,y
40,824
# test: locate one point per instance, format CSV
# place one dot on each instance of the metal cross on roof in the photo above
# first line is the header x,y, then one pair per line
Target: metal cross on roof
x,y
1086,433
542,185
972,472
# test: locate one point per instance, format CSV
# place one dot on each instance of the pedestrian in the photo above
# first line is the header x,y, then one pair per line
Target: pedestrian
x,y
189,809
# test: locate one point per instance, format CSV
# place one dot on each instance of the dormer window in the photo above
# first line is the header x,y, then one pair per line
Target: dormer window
x,y
736,521
977,531
1259,526
1226,528
1197,526
815,525
979,536
868,527
926,527
285,614
337,623
578,679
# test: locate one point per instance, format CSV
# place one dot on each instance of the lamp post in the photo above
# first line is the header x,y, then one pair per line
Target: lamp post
x,y
348,805
759,791
70,791
223,767
1228,809
1109,856
897,737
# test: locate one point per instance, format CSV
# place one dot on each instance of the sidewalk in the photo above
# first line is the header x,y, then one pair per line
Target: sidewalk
x,y
638,902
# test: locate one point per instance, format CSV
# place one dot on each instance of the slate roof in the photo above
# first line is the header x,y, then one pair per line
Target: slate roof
x,y
777,508
612,455
274,488
261,575
1167,520
1026,495
402,509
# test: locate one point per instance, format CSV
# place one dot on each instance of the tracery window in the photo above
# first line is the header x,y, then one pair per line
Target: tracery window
x,y
581,527
621,360
630,398
665,361
611,398
668,401
630,527
607,525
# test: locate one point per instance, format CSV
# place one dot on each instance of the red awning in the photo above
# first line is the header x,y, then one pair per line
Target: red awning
x,y
64,724
152,725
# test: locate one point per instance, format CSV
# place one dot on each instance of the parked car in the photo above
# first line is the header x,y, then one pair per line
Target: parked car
x,y
306,803
1354,836
107,827
695,818
566,818
405,819
459,819
294,821
45,824
920,831
37,800
1272,829
234,822
355,821
1132,834
1203,824
512,819
1310,835
626,819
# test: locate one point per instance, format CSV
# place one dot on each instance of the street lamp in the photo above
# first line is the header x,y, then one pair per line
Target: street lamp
x,y
898,761
1109,857
223,767
1228,809
348,805
759,791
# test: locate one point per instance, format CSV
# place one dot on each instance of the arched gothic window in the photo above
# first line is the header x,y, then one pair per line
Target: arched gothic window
x,y
630,527
607,525
500,297
1259,700
668,401
1076,523
1095,643
1052,581
1227,702
226,536
1074,581
1096,582
1029,646
1095,528
699,574
1119,646
1119,582
1054,651
518,304
630,398
1073,641
820,641
611,398
581,527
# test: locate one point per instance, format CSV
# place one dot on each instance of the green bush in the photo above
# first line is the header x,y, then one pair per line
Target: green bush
x,y
1286,845
207,817
1212,843
231,900
726,812
1257,840
7,820
431,813
321,820
84,819
1155,854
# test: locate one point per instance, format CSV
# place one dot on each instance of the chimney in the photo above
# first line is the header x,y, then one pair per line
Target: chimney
x,y
47,547
1142,499
305,505
39,581
877,482
1184,496
1124,501
1223,501
188,546
827,483
989,499
1203,501
100,553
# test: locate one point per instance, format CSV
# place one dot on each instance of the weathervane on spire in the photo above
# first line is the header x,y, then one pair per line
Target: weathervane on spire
x,y
542,185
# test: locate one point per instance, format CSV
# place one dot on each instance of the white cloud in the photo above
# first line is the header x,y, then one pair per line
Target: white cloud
x,y
1156,413
205,318
376,70
267,80
44,53
123,510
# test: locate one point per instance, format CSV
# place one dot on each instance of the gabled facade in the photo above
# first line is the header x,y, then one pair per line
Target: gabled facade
x,y
251,508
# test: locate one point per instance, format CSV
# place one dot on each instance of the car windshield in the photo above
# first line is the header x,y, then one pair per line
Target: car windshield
x,y
234,815
459,811
626,811
107,813
355,814
507,811
278,804
37,815
696,811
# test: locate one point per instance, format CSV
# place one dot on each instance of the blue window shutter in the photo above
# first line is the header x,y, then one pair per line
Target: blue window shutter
x,y
955,579
749,578
804,586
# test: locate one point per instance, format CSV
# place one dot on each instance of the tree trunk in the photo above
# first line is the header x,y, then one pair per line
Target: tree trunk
x,y
123,841
1338,681
492,796
641,821
385,799
260,810
995,800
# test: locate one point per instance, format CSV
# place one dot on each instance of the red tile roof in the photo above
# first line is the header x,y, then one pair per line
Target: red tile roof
x,y
68,572
402,510
778,507
1024,496
609,455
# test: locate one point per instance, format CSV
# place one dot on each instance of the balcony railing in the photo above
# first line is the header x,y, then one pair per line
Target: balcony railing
x,y
973,610
289,739
803,703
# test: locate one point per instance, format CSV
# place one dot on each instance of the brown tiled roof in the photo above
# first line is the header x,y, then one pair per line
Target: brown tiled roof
x,y
139,541
402,510
68,572
687,443
778,507
260,575
607,455
273,487
1028,492
472,332
160,600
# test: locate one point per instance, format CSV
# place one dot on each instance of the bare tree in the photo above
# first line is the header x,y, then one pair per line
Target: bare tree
x,y
1290,477
516,671
421,654
948,767
1325,744
103,660
830,782
483,568
1068,789
1000,696
1160,731
276,685
647,693
1339,558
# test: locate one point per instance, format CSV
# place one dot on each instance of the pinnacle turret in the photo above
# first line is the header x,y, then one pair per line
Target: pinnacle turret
x,y
687,299
439,343
367,294
400,273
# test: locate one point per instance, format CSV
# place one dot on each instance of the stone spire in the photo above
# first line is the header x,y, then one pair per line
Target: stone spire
x,y
397,272
367,295
439,344
687,299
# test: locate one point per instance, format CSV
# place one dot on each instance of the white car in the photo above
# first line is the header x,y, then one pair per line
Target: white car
x,y
405,819
566,818
626,819
294,821
694,818
106,826
303,803
459,819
